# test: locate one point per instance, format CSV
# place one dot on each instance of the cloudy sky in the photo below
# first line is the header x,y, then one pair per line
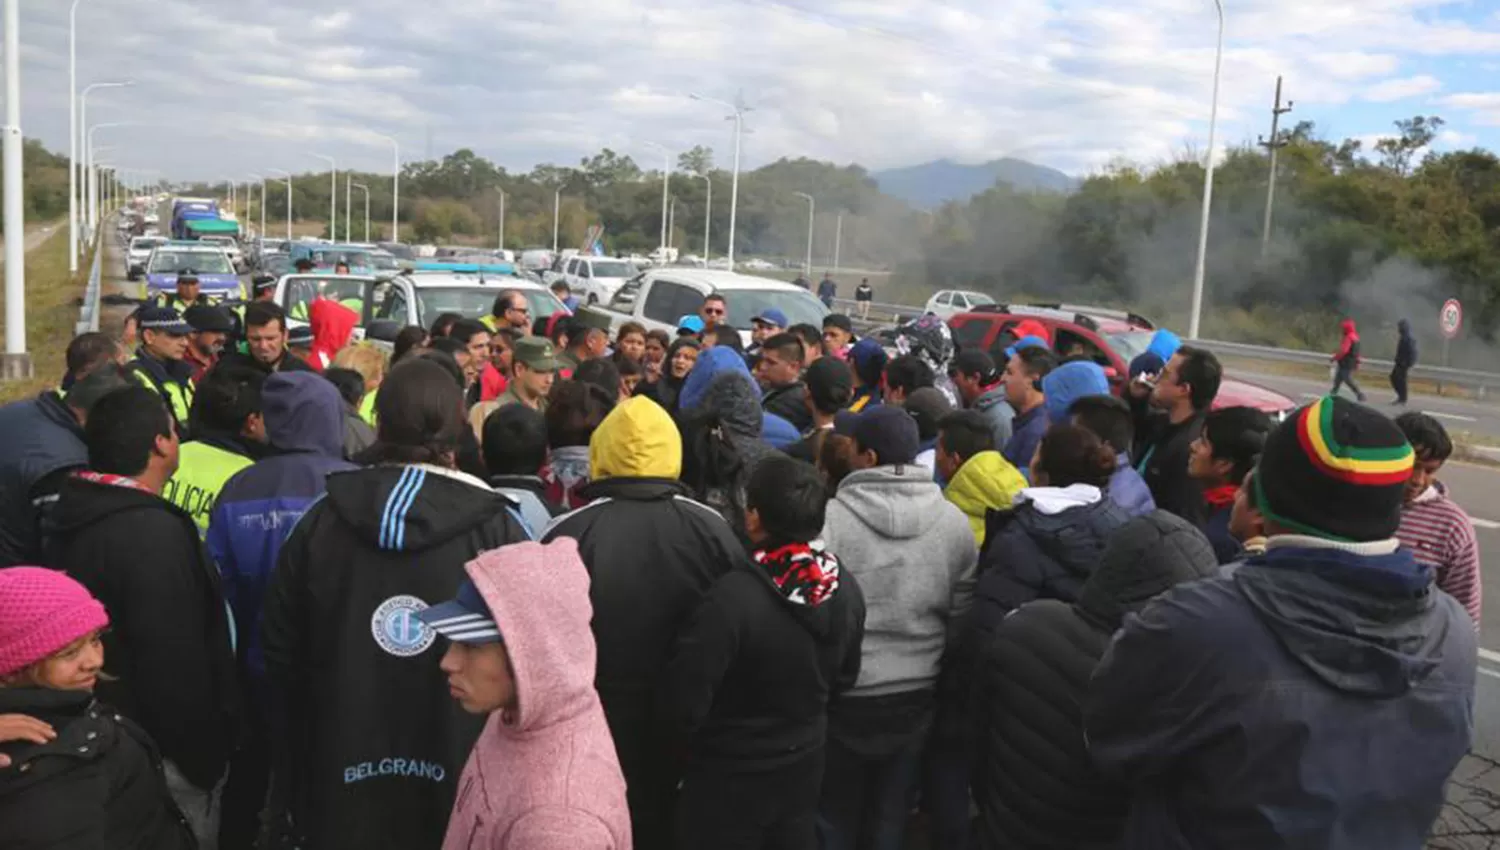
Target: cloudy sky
x,y
225,88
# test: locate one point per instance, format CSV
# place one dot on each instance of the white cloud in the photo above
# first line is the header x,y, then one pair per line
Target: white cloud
x,y
1071,83
1455,139
1386,91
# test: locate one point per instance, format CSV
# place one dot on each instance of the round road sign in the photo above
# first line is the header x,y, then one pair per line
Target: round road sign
x,y
1451,318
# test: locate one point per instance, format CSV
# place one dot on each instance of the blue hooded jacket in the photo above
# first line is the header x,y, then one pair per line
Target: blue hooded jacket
x,y
259,506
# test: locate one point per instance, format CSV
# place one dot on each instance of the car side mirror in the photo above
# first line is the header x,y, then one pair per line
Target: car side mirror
x,y
384,330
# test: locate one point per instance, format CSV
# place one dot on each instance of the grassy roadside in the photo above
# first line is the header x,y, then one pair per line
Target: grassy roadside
x,y
52,301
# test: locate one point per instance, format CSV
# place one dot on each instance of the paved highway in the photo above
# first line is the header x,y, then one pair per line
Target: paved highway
x,y
1479,418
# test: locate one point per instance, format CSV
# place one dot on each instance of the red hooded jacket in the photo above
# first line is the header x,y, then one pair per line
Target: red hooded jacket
x,y
332,325
1348,353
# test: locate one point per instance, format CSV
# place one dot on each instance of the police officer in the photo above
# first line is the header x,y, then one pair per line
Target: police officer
x,y
188,292
263,287
159,364
228,434
211,329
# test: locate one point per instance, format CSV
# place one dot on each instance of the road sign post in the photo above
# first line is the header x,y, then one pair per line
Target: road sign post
x,y
1450,320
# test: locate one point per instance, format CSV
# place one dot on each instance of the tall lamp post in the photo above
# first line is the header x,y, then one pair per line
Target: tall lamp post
x,y
83,123
1208,185
708,211
91,211
395,185
17,361
556,206
288,181
73,137
333,196
366,189
812,208
734,185
262,179
502,220
666,178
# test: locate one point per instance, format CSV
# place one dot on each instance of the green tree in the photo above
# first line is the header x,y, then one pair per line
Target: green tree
x,y
698,160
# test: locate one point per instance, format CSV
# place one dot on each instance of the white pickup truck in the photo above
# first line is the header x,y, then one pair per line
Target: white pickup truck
x,y
659,297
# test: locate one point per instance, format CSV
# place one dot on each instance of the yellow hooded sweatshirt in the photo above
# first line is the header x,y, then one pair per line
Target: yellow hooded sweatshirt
x,y
638,439
986,480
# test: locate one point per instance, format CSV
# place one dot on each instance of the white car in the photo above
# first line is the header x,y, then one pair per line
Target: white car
x,y
595,280
759,265
536,259
948,303
152,218
139,253
661,296
231,247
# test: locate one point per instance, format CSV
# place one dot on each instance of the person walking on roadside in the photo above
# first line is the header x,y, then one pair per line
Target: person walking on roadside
x,y
1034,782
1438,532
1226,450
543,774
754,669
1373,700
1346,360
169,656
863,295
827,290
73,771
1406,357
913,554
651,552
159,365
339,624
1168,411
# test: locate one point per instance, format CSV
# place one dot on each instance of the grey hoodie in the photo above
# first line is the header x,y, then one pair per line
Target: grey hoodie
x,y
914,556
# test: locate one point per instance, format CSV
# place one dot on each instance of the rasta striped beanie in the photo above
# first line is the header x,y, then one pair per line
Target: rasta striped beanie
x,y
1335,469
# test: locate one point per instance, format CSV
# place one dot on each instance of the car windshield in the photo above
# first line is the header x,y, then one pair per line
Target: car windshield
x,y
978,298
145,243
472,302
203,262
400,252
1130,344
276,264
351,257
384,262
800,307
613,269
226,241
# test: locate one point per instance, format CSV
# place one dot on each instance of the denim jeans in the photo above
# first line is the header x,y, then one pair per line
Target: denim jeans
x,y
866,799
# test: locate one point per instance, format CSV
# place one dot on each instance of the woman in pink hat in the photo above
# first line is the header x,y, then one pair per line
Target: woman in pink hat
x,y
72,772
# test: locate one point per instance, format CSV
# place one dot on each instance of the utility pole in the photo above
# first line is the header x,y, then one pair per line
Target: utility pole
x,y
16,362
1273,144
838,239
671,220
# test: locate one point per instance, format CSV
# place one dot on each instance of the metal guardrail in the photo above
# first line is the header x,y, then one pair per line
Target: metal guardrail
x,y
1480,382
88,314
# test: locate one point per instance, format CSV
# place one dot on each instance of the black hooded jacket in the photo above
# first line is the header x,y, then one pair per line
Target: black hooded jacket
x,y
371,744
168,647
753,672
789,401
97,785
1406,346
1034,782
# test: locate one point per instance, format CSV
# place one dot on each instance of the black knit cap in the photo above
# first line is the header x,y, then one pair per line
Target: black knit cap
x,y
1335,469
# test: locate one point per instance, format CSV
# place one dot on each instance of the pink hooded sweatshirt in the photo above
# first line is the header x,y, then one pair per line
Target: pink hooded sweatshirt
x,y
550,779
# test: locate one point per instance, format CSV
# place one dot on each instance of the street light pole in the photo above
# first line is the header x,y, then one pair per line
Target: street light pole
x,y
333,196
734,185
17,361
288,182
395,186
556,205
366,189
502,219
666,178
262,180
349,207
73,137
838,240
91,184
83,122
1208,185
811,211
708,212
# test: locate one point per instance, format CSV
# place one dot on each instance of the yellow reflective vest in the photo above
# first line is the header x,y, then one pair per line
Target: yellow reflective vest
x,y
367,407
177,394
202,469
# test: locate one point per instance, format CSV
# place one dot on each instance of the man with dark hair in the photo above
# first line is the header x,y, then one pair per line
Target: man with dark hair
x,y
723,335
1226,450
905,375
827,290
812,341
211,328
475,338
631,372
763,326
779,373
228,434
651,552
754,670
87,352
1168,418
168,652
1023,392
352,575
714,312
830,388
838,334
981,387
588,339
1319,695
574,411
159,366
600,372
532,370
1436,530
515,450
266,338
43,439
979,477
304,425
188,292
1109,419
564,293
442,325
928,406
511,310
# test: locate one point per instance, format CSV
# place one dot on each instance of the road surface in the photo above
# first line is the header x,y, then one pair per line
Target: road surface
x,y
1480,418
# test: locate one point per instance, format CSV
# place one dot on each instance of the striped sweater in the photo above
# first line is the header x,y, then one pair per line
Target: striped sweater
x,y
1441,536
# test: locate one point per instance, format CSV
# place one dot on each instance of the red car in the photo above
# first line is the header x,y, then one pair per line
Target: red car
x,y
1112,338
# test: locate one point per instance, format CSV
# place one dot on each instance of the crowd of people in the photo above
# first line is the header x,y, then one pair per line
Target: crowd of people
x,y
533,584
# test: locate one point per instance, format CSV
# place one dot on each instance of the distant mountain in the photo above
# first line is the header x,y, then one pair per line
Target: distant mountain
x,y
935,183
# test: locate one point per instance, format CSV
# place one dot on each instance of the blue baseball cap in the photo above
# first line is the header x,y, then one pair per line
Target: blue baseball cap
x,y
772,317
1025,342
463,619
690,322
163,319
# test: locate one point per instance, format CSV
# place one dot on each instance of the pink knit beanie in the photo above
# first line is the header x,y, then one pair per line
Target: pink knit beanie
x,y
42,611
